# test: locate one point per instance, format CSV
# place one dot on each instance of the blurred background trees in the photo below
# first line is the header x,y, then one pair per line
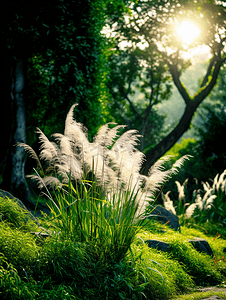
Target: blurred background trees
x,y
206,144
53,56
149,33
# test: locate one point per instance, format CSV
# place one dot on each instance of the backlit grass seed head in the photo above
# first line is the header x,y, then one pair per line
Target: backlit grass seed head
x,y
168,204
181,188
221,183
114,160
202,201
190,210
106,135
49,150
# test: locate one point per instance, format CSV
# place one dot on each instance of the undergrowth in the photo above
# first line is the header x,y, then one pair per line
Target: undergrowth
x,y
95,236
58,268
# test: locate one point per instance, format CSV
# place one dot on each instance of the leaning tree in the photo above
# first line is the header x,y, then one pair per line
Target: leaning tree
x,y
151,25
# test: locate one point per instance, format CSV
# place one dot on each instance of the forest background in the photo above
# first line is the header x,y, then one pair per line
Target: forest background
x,y
55,54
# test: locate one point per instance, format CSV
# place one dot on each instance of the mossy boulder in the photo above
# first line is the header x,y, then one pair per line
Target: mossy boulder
x,y
13,211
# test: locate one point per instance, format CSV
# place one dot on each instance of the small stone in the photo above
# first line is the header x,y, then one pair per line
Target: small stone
x,y
201,245
162,246
165,217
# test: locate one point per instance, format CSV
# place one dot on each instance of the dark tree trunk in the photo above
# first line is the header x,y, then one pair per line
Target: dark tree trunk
x,y
166,143
14,176
5,104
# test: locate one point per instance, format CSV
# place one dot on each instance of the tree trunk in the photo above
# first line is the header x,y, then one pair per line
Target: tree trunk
x,y
14,175
191,105
166,143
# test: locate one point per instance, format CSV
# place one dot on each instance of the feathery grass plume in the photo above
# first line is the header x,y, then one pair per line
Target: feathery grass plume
x,y
214,200
181,202
30,151
75,131
190,210
156,176
115,161
106,136
208,204
100,184
49,150
220,185
168,204
180,189
69,162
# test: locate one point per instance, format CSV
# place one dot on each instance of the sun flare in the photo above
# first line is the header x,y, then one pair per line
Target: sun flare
x,y
187,32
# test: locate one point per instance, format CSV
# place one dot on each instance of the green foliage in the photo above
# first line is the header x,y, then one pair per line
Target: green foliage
x,y
164,275
94,279
11,284
211,135
197,265
14,215
135,89
186,145
189,146
64,59
17,246
207,146
148,52
50,271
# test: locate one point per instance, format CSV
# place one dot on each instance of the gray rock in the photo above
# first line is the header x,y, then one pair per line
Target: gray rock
x,y
201,245
29,215
165,217
158,245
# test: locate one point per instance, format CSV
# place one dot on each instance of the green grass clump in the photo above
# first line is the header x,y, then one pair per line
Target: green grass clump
x,y
18,247
15,215
73,264
11,285
198,265
165,277
210,228
203,269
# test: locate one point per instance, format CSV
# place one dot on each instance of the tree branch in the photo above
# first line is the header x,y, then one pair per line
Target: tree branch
x,y
208,72
125,95
184,123
208,87
176,79
166,143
